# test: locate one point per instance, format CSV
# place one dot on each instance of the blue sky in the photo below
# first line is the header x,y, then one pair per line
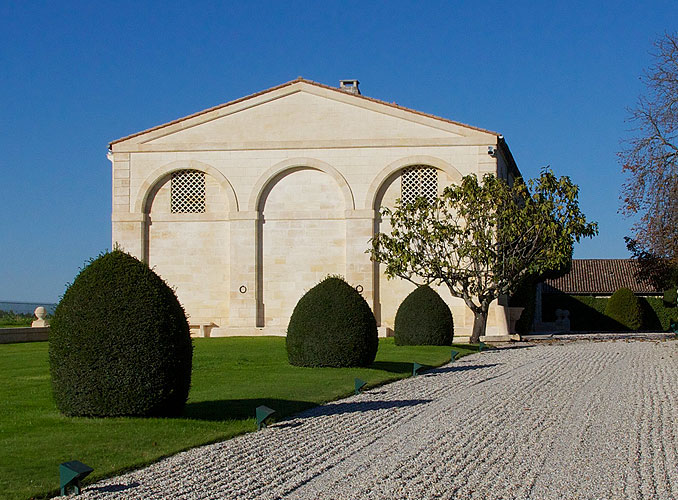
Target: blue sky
x,y
554,78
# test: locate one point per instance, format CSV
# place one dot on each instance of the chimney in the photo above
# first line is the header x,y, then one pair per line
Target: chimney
x,y
350,86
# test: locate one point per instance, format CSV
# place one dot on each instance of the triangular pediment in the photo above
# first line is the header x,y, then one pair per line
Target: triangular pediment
x,y
301,114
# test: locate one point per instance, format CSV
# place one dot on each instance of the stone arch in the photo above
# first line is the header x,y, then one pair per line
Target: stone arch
x,y
146,190
388,294
190,251
300,236
273,174
388,173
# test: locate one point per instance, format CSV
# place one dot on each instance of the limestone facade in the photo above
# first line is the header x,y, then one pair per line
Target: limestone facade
x,y
288,183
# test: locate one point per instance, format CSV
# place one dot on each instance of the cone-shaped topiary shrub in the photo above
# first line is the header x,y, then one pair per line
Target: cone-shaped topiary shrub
x,y
119,343
624,308
332,325
423,318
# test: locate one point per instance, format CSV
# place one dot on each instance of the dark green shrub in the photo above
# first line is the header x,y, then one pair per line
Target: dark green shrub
x,y
660,316
332,325
624,308
526,297
588,313
119,343
423,318
670,296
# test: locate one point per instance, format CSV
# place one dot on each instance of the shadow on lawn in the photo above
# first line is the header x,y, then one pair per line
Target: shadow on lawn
x,y
240,409
392,366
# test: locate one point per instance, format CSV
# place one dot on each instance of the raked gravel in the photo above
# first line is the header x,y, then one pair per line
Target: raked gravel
x,y
566,420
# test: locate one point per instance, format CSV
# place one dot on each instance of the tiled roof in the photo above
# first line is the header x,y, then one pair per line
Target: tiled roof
x,y
316,84
600,277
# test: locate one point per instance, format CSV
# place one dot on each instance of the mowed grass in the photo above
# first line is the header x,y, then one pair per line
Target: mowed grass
x,y
231,377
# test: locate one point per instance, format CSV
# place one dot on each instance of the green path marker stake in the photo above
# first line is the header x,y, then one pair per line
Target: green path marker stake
x,y
70,475
453,355
262,413
415,369
359,384
481,346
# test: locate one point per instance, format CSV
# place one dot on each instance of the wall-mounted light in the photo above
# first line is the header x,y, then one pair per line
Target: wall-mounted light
x,y
492,151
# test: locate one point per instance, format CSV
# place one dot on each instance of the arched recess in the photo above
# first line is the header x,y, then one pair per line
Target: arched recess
x,y
389,173
301,234
274,173
384,189
141,203
189,246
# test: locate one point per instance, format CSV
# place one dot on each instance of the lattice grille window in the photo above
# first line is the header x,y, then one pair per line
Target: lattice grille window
x,y
188,192
418,181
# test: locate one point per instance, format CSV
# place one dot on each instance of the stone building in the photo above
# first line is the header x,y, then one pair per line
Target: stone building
x,y
245,206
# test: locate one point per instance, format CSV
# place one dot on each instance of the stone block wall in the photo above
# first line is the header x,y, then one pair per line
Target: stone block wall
x,y
293,188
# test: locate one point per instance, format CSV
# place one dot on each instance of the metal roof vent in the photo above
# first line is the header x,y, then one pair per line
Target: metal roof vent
x,y
350,86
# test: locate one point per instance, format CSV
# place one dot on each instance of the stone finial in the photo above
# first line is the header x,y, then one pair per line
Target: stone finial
x,y
40,313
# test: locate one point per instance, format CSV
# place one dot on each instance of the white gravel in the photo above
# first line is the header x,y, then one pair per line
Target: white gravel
x,y
573,420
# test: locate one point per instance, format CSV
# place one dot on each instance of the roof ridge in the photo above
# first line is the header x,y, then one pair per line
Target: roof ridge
x,y
309,82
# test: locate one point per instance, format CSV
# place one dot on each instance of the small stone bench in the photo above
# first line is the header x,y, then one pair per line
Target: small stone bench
x,y
205,328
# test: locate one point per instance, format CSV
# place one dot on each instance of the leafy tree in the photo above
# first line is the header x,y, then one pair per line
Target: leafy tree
x,y
650,158
661,273
483,240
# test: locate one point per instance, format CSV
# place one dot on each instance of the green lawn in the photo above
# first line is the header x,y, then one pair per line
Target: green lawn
x,y
231,377
17,322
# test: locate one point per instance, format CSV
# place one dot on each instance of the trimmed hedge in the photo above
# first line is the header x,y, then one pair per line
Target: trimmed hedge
x,y
119,343
624,308
332,325
588,313
657,315
423,318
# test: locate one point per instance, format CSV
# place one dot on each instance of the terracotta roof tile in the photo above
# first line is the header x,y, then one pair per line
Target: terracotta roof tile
x,y
600,277
310,82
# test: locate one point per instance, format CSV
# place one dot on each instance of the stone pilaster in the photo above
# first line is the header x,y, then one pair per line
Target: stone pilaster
x,y
359,267
244,258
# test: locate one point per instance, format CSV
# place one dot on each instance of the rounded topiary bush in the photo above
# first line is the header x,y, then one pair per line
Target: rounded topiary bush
x,y
625,309
670,297
332,325
423,318
119,343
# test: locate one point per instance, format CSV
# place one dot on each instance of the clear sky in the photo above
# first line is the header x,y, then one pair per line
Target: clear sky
x,y
555,78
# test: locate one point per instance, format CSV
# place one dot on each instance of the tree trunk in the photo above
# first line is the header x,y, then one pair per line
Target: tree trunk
x,y
479,324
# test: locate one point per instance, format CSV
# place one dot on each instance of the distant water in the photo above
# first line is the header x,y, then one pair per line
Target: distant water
x,y
26,307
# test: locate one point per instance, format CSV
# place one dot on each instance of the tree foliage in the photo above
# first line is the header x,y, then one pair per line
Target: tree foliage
x,y
660,272
483,239
650,158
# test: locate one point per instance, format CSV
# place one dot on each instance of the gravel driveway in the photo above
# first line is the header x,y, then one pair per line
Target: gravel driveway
x,y
575,420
